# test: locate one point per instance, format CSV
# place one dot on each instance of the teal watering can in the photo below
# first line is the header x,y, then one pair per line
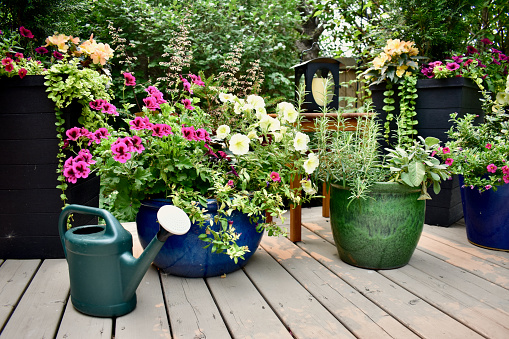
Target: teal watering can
x,y
103,273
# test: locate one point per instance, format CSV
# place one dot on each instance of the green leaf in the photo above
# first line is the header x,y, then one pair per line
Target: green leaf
x,y
436,186
416,171
431,141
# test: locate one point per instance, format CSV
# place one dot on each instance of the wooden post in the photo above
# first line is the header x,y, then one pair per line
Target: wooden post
x,y
295,215
325,201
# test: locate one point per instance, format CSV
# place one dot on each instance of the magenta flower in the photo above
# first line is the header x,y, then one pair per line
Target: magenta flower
x,y
487,187
196,80
102,133
471,50
223,155
230,183
97,104
452,66
22,72
26,32
73,133
41,50
109,108
161,130
151,103
486,41
506,178
6,61
492,168
152,90
488,146
137,145
202,134
449,161
120,151
468,62
159,97
446,150
138,123
130,80
187,104
275,176
505,169
18,56
58,55
70,174
86,156
9,67
188,133
187,86
81,169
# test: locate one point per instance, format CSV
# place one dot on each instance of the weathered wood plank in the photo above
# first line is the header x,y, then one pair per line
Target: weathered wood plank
x,y
487,270
148,320
39,311
497,257
357,313
244,310
78,325
191,309
302,314
15,275
486,320
477,287
413,312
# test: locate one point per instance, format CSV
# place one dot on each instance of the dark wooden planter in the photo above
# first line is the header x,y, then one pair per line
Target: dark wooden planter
x,y
29,202
437,99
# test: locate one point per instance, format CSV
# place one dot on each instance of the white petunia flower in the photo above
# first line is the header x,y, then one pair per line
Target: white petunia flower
x,y
265,122
308,187
247,108
239,144
223,131
274,125
301,141
260,112
255,100
311,163
224,97
252,134
287,112
278,136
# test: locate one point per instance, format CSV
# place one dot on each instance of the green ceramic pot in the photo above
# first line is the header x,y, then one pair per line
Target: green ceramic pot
x,y
381,232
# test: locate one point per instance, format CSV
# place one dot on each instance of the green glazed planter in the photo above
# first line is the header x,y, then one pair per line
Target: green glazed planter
x,y
380,232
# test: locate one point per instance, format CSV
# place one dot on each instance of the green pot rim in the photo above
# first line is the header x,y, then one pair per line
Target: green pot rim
x,y
385,187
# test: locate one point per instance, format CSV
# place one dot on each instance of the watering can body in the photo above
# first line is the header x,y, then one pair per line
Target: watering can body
x,y
103,273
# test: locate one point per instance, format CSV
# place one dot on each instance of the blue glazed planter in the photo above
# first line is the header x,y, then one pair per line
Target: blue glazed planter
x,y
184,255
486,216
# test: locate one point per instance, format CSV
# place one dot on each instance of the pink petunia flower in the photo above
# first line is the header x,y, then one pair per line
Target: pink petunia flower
x,y
506,178
505,169
41,50
230,183
109,109
487,187
9,68
22,72
73,133
6,61
452,66
446,150
471,50
491,168
120,152
486,41
81,169
130,80
26,32
275,176
449,161
58,55
488,146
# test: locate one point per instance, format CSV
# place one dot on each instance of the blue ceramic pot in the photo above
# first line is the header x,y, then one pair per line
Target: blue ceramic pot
x,y
184,255
486,216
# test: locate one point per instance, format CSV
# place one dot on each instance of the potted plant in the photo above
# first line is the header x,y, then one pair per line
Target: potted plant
x,y
225,170
37,87
480,155
377,201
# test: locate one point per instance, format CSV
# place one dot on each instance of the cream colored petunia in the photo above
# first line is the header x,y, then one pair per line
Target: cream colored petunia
x,y
308,187
222,131
239,144
226,97
255,100
301,141
311,163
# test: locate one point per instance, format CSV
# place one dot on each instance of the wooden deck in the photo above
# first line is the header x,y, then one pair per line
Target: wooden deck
x,y
450,289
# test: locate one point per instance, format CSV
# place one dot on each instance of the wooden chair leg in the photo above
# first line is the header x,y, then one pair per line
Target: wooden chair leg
x,y
326,201
295,216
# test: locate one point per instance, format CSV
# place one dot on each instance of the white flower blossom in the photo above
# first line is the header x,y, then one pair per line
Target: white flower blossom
x,y
255,100
223,131
252,134
226,97
287,111
274,125
239,144
260,112
311,163
301,141
308,186
277,136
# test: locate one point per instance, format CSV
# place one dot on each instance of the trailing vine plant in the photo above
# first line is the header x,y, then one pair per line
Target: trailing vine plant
x,y
406,119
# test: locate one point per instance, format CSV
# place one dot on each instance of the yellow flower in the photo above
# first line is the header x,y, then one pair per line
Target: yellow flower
x,y
400,70
58,40
101,53
394,47
380,60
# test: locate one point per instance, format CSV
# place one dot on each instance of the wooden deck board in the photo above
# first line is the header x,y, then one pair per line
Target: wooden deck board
x,y
303,315
450,289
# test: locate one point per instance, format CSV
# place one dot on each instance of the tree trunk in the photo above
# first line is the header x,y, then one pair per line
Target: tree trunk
x,y
310,31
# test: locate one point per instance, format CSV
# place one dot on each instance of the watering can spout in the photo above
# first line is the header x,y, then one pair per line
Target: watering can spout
x,y
172,221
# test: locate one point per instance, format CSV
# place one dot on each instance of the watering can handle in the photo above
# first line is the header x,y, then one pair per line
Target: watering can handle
x,y
110,220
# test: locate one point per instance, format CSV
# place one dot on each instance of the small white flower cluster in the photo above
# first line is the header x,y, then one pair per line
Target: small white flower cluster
x,y
287,114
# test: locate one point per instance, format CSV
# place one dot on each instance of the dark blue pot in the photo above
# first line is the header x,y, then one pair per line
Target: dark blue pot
x,y
184,255
486,216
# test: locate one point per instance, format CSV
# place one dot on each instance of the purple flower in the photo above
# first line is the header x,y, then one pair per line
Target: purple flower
x,y
41,50
161,130
97,104
57,55
26,32
452,66
472,50
188,133
187,104
130,80
486,41
73,133
151,103
109,108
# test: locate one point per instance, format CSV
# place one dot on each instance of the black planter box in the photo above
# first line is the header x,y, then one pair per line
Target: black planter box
x,y
29,202
437,99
